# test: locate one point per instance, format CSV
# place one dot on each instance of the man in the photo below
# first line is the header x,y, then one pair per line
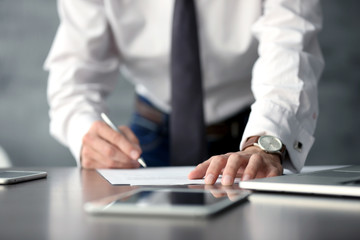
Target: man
x,y
265,51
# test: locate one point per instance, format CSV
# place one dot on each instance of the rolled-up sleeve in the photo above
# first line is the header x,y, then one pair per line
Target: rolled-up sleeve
x,y
83,67
286,75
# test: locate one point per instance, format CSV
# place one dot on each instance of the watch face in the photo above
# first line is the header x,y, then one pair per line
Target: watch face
x,y
270,143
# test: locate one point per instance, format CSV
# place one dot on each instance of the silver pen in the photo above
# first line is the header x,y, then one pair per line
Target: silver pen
x,y
108,122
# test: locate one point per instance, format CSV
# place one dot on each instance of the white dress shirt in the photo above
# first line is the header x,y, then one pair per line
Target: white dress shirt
x,y
263,53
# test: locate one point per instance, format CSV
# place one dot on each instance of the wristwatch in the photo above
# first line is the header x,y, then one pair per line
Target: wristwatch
x,y
267,143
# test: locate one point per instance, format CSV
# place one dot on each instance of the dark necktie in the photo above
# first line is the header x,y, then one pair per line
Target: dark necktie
x,y
187,131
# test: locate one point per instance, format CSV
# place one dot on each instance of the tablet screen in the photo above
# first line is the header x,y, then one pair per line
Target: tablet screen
x,y
150,197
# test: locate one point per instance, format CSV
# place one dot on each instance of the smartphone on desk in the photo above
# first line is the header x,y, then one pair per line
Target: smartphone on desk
x,y
12,176
167,202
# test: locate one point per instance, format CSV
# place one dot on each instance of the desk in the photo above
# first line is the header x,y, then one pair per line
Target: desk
x,y
52,208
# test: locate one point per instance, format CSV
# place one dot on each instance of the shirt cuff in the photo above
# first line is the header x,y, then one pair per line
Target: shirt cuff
x,y
271,119
77,128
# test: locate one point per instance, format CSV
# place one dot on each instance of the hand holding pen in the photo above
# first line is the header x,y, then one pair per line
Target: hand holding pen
x,y
106,146
108,121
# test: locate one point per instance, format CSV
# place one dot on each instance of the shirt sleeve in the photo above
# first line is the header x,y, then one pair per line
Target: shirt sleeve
x,y
83,67
286,75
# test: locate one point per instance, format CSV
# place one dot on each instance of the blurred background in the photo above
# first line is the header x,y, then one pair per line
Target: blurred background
x,y
27,29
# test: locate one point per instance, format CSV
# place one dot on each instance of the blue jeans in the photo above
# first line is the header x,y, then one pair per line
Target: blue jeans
x,y
154,137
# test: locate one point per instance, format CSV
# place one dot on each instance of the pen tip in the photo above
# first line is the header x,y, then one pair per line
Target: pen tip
x,y
142,162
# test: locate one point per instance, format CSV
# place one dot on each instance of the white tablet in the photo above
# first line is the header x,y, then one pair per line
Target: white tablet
x,y
168,202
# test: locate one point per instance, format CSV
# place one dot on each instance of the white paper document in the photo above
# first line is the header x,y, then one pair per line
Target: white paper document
x,y
151,176
157,176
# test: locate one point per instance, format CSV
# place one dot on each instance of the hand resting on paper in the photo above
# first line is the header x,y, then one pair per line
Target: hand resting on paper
x,y
248,164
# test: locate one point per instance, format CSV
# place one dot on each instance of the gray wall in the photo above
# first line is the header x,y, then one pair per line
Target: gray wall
x,y
27,28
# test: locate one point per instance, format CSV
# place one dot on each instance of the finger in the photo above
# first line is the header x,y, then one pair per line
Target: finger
x,y
233,164
273,173
90,159
113,157
252,169
108,155
90,163
208,162
93,159
100,146
199,171
118,139
217,163
242,166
